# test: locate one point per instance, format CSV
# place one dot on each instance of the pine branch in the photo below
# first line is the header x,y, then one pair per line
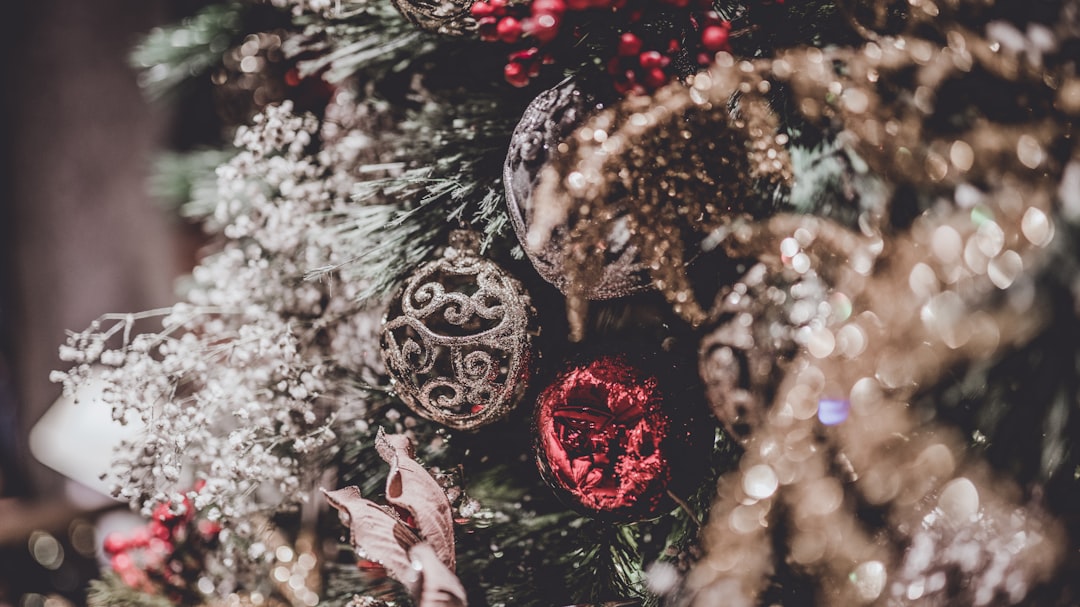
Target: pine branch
x,y
111,591
347,581
187,181
170,56
451,180
366,36
606,565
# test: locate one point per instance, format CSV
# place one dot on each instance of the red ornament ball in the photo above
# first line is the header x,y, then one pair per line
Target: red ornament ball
x,y
603,437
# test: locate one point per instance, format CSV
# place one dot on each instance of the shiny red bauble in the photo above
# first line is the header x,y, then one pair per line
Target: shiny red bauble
x,y
605,439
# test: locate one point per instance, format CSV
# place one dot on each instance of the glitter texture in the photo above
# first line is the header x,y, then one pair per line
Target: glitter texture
x,y
456,339
647,169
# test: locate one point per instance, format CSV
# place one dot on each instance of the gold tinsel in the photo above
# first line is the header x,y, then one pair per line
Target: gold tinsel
x,y
681,162
922,302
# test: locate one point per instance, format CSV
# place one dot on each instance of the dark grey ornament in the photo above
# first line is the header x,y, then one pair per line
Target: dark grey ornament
x,y
456,338
548,121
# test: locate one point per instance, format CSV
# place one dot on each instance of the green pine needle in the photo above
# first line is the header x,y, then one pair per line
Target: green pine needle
x,y
168,57
111,591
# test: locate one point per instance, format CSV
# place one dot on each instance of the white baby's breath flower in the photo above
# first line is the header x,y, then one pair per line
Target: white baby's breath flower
x,y
240,386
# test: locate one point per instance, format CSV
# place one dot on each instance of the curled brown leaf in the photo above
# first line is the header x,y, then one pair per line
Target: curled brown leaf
x,y
439,587
377,535
410,487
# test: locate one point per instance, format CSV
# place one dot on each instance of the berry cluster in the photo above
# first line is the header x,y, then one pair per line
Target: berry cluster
x,y
151,557
641,58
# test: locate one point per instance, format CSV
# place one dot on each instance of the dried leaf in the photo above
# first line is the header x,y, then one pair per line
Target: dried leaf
x,y
377,535
439,587
410,487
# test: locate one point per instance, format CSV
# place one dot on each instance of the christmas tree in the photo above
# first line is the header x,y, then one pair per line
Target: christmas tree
x,y
610,302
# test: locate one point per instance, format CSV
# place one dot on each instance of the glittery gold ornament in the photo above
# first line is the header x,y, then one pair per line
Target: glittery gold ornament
x,y
671,166
547,122
456,338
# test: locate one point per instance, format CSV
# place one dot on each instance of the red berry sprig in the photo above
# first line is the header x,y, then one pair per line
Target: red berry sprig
x,y
149,556
639,62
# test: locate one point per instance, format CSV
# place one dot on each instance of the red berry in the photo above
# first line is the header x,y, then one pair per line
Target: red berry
x,y
140,538
115,543
624,82
481,10
655,77
629,44
651,59
158,550
159,531
509,29
121,562
715,38
577,5
498,6
515,74
543,27
208,529
548,7
163,514
673,46
524,55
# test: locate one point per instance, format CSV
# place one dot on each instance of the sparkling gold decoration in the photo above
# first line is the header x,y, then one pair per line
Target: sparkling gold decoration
x,y
671,165
456,338
897,310
437,16
742,355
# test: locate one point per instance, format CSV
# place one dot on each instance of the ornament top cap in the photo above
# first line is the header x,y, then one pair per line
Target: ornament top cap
x,y
463,242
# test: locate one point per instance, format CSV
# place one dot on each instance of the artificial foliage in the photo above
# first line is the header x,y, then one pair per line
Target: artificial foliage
x,y
849,233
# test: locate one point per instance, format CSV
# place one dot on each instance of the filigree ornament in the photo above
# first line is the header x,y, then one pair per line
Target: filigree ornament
x,y
456,338
548,121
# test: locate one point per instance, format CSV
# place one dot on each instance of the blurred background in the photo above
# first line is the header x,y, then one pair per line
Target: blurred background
x,y
80,236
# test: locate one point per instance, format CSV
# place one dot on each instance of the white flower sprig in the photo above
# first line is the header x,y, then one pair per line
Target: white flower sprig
x,y
243,386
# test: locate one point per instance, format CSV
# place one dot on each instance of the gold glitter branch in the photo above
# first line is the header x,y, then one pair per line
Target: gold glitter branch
x,y
918,308
674,164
